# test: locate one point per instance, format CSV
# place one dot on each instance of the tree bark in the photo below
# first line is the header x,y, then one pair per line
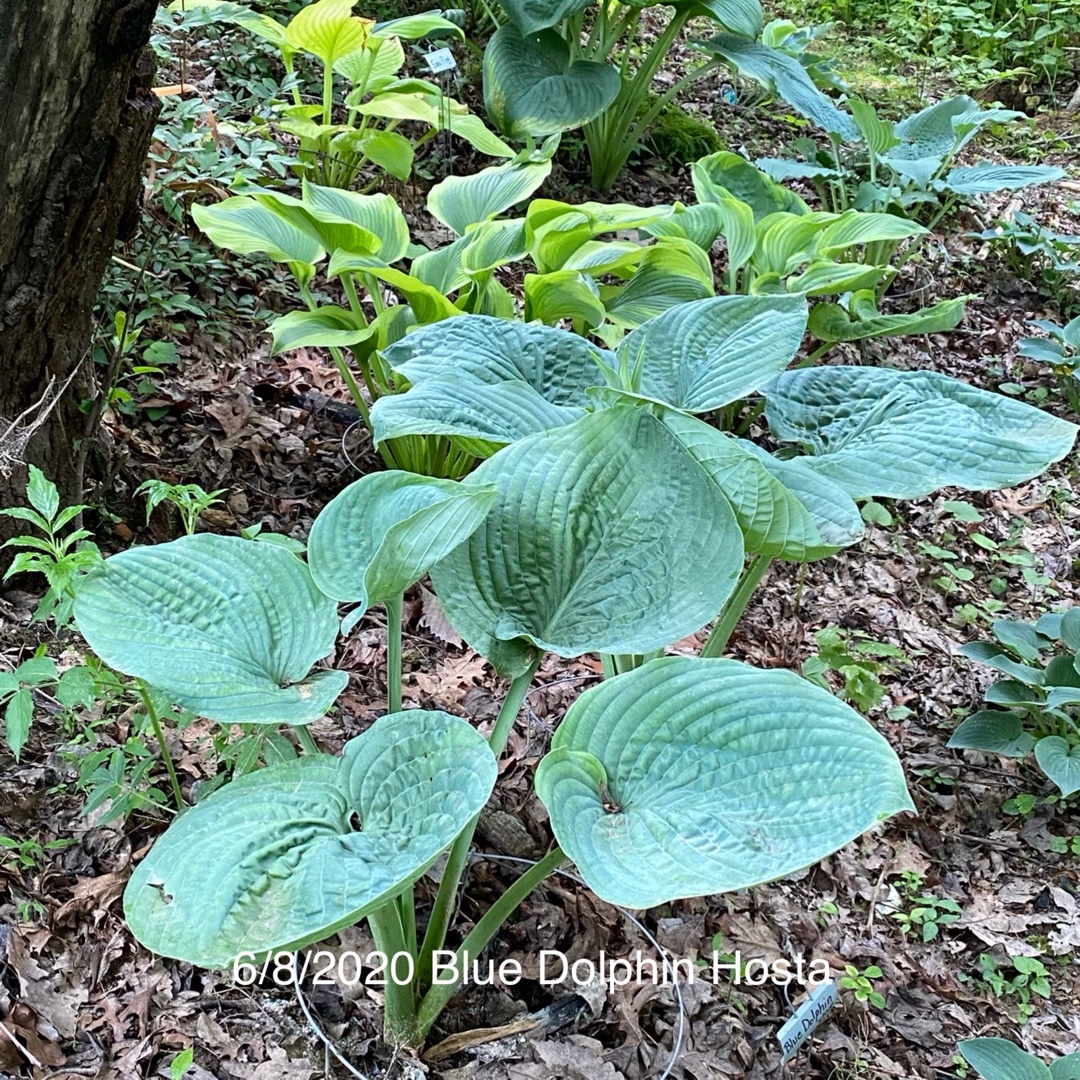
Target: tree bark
x,y
76,117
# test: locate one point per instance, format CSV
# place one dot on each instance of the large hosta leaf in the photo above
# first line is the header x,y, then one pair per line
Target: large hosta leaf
x,y
985,179
783,75
700,356
671,273
531,87
386,530
774,520
487,378
739,16
461,201
903,434
724,176
1060,761
688,777
328,29
606,536
245,226
227,627
272,862
999,1059
862,320
529,16
995,731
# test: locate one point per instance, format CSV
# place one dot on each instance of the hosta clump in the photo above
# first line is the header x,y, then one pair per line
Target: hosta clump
x,y
1036,704
607,518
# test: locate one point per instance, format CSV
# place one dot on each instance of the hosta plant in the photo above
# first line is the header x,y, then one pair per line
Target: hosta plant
x,y
561,64
1036,703
1049,260
999,1059
907,167
1061,350
613,521
367,57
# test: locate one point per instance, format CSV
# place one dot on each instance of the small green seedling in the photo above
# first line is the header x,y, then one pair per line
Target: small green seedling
x,y
1028,976
189,499
928,916
861,983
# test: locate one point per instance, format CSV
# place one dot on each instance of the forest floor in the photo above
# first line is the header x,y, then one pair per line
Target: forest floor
x,y
85,1000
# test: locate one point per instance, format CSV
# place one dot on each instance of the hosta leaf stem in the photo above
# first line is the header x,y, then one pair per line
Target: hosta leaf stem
x,y
155,723
734,608
435,1000
446,899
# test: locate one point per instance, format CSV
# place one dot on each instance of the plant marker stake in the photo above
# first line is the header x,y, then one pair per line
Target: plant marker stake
x,y
806,1019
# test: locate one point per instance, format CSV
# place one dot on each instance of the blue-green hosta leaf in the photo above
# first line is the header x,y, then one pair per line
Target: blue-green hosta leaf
x,y
1060,761
783,75
243,225
743,17
999,1059
493,244
701,356
227,628
835,514
531,86
688,777
1066,1068
985,178
985,652
774,521
830,322
325,326
725,175
903,434
328,29
271,861
461,201
994,731
529,16
606,537
783,169
386,530
824,277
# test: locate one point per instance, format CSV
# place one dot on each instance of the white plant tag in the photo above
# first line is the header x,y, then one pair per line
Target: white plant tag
x,y
807,1017
440,60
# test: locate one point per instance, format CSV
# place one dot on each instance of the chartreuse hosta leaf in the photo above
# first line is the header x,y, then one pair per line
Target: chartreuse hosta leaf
x,y
687,777
226,627
533,87
605,537
999,1059
701,356
862,320
386,530
245,226
486,378
725,175
903,434
272,861
328,29
461,201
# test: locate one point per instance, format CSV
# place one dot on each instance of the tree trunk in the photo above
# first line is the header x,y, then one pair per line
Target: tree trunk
x,y
76,116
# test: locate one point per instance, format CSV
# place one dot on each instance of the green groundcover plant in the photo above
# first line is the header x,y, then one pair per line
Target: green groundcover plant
x,y
607,518
1038,692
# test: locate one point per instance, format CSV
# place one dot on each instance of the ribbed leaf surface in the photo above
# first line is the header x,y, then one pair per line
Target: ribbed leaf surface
x,y
272,862
486,378
226,627
985,179
700,356
996,731
461,201
531,87
903,434
773,519
245,226
688,777
328,29
605,537
999,1059
386,530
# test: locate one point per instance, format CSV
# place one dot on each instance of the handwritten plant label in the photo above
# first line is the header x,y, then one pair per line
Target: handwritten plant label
x,y
808,1016
440,60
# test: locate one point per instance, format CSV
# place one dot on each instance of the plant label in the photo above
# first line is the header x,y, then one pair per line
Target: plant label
x,y
440,60
806,1019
